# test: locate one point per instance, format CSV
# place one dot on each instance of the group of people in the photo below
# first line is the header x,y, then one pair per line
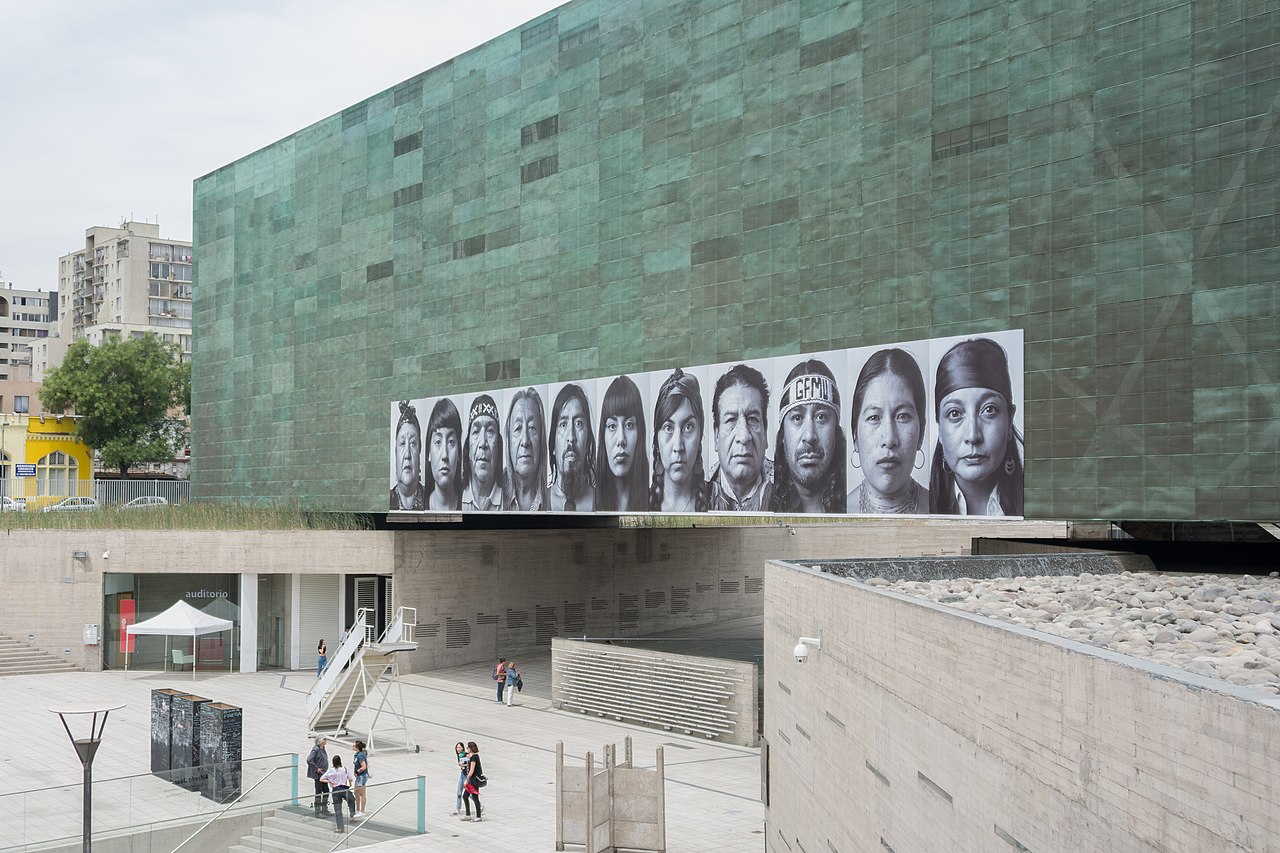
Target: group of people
x,y
331,778
334,780
529,464
509,681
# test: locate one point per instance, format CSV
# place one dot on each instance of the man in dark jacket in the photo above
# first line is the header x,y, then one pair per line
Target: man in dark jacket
x,y
317,764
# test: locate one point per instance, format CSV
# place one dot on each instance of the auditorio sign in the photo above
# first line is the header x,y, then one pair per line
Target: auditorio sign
x,y
929,427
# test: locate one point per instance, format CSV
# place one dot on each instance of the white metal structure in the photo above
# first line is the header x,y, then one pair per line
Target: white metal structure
x,y
356,690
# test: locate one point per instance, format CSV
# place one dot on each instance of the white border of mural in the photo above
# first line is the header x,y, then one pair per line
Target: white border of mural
x,y
840,432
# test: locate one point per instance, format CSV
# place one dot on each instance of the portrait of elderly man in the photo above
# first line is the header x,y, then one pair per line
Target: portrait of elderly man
x,y
573,452
482,458
742,480
809,454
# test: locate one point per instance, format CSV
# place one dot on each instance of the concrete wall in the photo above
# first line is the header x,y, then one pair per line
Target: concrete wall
x,y
50,594
479,594
917,727
485,594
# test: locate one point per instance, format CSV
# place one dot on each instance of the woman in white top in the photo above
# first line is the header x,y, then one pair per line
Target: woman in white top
x,y
339,779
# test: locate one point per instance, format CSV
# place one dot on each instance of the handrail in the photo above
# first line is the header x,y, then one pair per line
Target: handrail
x,y
355,827
231,805
78,785
335,667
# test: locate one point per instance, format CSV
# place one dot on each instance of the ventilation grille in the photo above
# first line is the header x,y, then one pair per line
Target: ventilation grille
x,y
673,693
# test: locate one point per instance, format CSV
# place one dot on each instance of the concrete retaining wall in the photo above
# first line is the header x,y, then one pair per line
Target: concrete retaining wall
x,y
479,594
917,727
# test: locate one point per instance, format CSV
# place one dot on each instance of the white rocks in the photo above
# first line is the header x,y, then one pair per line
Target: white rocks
x,y
1218,627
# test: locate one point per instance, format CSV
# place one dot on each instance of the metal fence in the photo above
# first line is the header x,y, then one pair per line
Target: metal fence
x,y
108,492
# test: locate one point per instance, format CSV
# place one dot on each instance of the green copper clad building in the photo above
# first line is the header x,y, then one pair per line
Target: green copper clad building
x,y
631,185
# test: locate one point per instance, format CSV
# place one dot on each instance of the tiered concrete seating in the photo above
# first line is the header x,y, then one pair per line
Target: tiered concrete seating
x,y
17,658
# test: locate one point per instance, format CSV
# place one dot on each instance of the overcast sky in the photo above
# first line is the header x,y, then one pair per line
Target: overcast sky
x,y
109,111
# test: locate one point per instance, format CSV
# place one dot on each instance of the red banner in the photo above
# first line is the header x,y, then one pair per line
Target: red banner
x,y
126,619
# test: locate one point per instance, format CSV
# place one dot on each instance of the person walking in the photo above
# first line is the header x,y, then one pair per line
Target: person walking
x,y
500,676
322,658
513,678
317,766
460,755
474,782
360,766
339,780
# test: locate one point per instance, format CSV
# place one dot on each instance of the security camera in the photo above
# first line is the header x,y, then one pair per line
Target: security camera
x,y
801,652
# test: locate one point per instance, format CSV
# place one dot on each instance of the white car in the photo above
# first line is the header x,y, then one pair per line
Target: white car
x,y
8,504
73,505
145,502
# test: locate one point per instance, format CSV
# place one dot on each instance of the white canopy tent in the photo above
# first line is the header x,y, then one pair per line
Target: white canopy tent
x,y
180,620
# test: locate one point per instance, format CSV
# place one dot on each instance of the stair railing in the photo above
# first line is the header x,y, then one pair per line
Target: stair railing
x,y
243,794
421,791
346,652
401,628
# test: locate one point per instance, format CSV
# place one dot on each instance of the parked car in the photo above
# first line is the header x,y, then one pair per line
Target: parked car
x,y
8,504
145,502
73,505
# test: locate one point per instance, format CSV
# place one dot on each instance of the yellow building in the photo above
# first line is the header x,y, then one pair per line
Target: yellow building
x,y
63,463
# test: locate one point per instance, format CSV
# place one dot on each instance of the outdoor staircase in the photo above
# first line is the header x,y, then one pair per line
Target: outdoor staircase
x,y
362,679
335,713
297,830
18,658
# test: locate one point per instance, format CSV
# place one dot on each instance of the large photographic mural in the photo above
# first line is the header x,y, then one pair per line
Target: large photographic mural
x,y
930,427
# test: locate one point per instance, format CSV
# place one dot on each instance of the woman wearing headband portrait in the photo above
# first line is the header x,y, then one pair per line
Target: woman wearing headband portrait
x,y
888,415
679,483
977,463
408,493
444,457
622,464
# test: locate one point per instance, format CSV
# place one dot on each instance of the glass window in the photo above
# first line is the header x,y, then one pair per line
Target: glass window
x,y
21,404
55,474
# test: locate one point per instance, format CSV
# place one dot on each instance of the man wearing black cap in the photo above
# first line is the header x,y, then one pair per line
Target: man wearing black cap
x,y
482,458
809,474
573,452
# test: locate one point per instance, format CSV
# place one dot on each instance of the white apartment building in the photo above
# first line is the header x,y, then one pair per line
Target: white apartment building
x,y
25,319
125,282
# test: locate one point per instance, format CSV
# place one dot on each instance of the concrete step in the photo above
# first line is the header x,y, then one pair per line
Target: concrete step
x,y
18,658
299,831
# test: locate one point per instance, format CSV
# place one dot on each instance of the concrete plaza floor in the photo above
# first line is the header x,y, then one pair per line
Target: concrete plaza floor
x,y
712,790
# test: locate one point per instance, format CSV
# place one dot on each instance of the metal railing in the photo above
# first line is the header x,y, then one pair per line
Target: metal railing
x,y
231,805
49,817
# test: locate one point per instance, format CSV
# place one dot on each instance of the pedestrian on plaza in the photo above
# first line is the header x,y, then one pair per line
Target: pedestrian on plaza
x,y
500,676
317,765
513,678
460,754
360,766
475,781
339,780
322,658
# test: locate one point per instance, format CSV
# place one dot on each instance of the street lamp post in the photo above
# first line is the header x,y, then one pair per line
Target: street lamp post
x,y
86,748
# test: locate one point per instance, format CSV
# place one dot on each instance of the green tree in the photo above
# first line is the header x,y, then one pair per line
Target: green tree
x,y
125,393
